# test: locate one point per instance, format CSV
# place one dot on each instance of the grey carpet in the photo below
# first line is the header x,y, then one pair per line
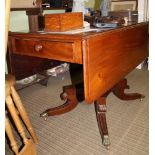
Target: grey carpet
x,y
76,133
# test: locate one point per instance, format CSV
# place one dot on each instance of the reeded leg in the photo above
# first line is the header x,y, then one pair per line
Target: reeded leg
x,y
69,94
119,88
100,108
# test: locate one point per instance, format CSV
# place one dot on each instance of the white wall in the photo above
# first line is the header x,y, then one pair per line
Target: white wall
x,y
53,11
89,3
23,3
18,21
143,11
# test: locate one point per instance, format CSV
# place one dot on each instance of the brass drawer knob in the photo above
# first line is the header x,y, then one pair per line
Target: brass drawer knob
x,y
38,47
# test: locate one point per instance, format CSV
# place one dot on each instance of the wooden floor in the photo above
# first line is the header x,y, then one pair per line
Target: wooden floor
x,y
76,133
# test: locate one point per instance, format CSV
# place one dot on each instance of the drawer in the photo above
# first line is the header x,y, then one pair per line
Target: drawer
x,y
56,50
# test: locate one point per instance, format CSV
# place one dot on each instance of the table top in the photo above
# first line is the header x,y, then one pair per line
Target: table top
x,y
107,55
82,32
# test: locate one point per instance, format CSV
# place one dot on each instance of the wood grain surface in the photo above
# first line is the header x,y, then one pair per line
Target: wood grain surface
x,y
107,56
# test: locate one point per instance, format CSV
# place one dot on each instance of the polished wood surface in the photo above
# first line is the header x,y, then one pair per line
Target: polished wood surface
x,y
22,66
107,56
69,95
115,54
69,51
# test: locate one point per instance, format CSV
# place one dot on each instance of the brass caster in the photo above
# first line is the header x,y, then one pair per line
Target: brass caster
x,y
63,96
106,142
107,147
141,99
45,118
103,108
44,115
